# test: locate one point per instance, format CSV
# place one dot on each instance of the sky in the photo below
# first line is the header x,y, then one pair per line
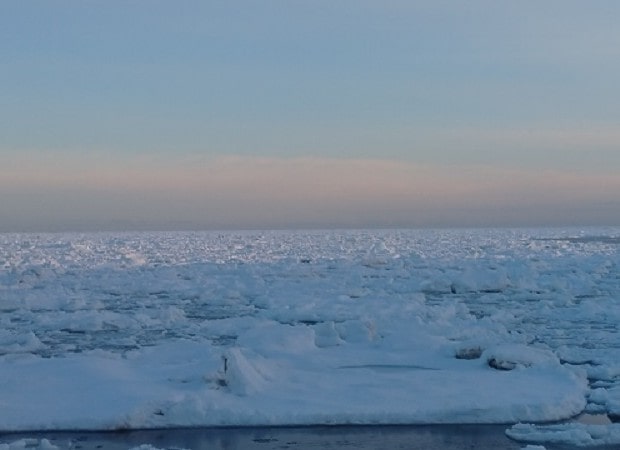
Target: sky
x,y
151,114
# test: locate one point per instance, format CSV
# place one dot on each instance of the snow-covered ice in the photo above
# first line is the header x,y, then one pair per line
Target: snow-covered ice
x,y
577,434
146,330
30,444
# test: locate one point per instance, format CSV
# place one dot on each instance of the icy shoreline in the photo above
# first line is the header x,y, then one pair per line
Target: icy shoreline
x,y
156,330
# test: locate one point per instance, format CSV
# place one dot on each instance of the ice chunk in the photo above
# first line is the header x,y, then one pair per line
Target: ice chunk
x,y
11,342
569,434
357,331
510,356
30,444
243,376
326,335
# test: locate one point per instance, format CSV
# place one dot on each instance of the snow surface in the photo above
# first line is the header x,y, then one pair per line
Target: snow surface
x,y
577,434
147,330
31,444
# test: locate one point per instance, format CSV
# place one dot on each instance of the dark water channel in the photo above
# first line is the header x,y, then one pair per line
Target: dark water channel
x,y
423,437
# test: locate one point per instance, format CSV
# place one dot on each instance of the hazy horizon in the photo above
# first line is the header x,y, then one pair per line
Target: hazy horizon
x,y
249,115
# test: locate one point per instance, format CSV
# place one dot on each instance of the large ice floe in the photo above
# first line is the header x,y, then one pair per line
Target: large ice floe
x,y
148,330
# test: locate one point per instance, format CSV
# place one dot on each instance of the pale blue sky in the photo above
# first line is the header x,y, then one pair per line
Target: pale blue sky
x,y
492,91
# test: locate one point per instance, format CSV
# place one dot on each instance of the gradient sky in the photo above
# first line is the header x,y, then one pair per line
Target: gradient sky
x,y
150,114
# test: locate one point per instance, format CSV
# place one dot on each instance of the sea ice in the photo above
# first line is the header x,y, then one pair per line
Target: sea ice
x,y
30,444
577,434
144,330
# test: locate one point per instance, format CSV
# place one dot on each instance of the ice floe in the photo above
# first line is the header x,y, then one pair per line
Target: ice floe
x,y
576,434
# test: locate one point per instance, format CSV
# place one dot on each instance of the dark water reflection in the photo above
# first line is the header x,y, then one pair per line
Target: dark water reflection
x,y
433,437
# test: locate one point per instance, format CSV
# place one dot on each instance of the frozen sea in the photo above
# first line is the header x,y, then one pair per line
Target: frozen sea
x,y
139,331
